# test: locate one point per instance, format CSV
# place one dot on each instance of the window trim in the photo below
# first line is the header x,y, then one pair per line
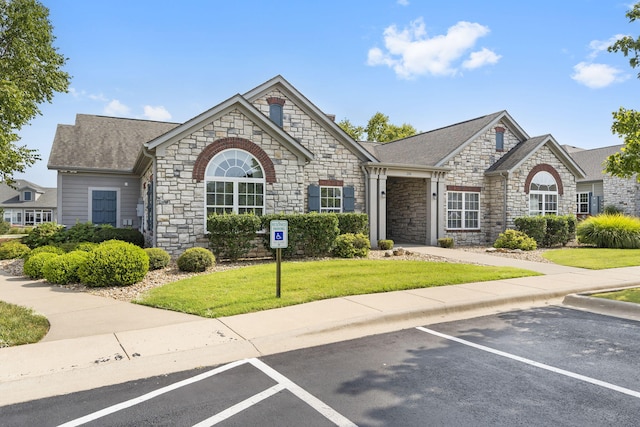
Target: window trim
x,y
90,203
463,210
340,198
545,195
587,202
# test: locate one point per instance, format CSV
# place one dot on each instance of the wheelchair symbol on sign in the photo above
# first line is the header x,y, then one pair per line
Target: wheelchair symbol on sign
x,y
278,235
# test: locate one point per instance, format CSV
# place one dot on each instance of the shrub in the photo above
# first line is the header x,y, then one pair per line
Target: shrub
x,y
13,249
533,226
104,233
356,223
514,239
114,263
385,245
612,210
610,231
46,248
158,258
20,230
63,269
4,227
310,235
44,234
195,260
351,245
557,231
86,246
80,232
445,242
33,266
232,235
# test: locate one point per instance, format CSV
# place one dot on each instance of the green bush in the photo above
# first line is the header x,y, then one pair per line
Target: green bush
x,y
610,231
80,232
355,223
351,245
13,249
385,245
310,235
445,242
46,248
195,260
514,239
86,246
47,233
63,269
158,258
231,235
33,266
557,231
533,226
4,227
104,233
613,210
20,230
114,263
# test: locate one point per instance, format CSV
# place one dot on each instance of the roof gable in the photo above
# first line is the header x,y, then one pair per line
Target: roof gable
x,y
437,147
236,102
311,110
592,161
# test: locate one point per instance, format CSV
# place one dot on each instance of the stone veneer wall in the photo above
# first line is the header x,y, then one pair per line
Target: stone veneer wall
x,y
407,199
622,193
180,199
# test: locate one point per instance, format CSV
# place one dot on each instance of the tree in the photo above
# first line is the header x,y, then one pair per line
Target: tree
x,y
378,129
626,123
30,73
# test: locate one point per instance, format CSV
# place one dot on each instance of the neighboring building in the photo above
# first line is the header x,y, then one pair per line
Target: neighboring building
x,y
28,204
271,150
598,189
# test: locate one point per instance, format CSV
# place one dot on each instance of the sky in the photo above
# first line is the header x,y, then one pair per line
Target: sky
x,y
427,63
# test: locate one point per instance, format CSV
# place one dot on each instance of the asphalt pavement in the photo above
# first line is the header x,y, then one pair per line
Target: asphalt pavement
x,y
96,341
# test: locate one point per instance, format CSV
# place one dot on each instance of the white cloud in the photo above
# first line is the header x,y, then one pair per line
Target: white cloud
x,y
481,58
411,52
116,108
597,76
598,46
403,2
158,113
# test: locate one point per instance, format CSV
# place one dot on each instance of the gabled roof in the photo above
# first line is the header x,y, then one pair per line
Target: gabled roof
x,y
592,161
525,149
236,102
105,144
436,147
310,108
10,197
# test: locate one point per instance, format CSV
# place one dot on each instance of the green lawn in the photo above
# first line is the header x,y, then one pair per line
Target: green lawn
x,y
253,288
627,295
594,258
19,325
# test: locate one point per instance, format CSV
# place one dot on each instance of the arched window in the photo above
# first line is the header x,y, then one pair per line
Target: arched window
x,y
235,183
543,194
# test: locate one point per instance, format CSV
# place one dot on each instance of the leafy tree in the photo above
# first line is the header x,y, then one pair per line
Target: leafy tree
x,y
626,123
30,74
378,129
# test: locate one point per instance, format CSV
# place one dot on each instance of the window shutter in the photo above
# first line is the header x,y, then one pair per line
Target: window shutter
x,y
314,198
348,199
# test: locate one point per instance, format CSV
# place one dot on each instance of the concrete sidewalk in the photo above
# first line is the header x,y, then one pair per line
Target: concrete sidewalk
x,y
97,341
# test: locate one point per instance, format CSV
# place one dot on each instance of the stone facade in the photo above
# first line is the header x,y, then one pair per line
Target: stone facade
x,y
180,199
409,218
623,193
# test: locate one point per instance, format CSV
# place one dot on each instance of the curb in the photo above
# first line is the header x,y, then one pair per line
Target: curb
x,y
584,300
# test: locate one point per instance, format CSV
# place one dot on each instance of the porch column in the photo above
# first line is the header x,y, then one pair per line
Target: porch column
x,y
372,208
436,209
382,208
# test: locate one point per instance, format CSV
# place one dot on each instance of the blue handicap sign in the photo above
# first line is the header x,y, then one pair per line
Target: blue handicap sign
x,y
279,235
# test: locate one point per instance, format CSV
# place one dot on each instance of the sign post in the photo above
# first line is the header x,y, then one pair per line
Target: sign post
x,y
279,231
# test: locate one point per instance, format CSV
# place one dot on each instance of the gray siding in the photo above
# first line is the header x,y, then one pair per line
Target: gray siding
x,y
74,200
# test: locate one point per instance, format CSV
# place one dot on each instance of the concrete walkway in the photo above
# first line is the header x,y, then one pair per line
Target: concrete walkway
x,y
96,341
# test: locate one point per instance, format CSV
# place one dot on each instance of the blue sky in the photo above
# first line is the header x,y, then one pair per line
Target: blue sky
x,y
423,62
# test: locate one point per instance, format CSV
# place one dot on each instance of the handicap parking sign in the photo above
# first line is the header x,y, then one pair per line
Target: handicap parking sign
x,y
279,230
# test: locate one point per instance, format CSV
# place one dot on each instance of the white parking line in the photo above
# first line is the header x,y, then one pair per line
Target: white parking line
x,y
282,384
534,363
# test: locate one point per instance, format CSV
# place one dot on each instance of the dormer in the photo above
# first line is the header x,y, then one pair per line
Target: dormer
x,y
28,194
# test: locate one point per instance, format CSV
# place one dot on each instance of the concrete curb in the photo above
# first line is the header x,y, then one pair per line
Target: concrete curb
x,y
585,301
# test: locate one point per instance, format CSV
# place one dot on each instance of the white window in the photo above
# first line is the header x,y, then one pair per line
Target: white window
x,y
37,216
234,183
13,216
330,199
543,194
582,203
463,210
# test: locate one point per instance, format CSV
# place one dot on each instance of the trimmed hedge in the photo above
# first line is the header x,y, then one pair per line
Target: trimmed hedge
x,y
548,230
351,245
63,269
354,223
114,263
33,266
514,239
385,245
158,258
46,248
231,235
50,234
195,260
13,249
309,235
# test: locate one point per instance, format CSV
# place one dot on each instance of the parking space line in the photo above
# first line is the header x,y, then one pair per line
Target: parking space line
x,y
534,363
282,384
239,407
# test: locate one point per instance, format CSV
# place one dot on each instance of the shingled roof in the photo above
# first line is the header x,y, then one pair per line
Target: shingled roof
x,y
591,161
107,144
10,197
434,147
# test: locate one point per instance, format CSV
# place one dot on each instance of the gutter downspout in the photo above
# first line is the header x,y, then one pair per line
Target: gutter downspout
x,y
366,194
146,153
505,175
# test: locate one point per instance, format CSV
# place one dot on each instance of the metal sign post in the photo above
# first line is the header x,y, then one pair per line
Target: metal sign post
x,y
279,231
